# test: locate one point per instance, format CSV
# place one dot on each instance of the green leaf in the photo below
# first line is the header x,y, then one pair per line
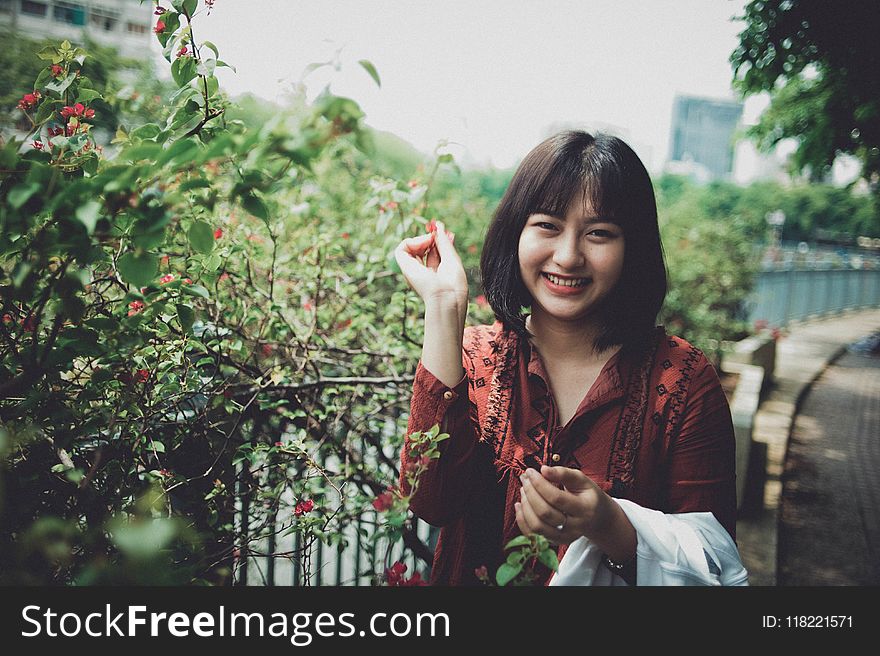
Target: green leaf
x,y
195,290
148,131
255,206
213,85
138,269
368,66
506,573
158,447
518,541
87,95
20,194
189,7
47,108
195,183
181,150
201,237
59,141
60,86
209,44
186,315
88,214
48,54
183,69
548,557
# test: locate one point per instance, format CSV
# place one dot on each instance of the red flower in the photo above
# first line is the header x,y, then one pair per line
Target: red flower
x,y
57,70
345,235
303,507
160,10
472,248
142,375
224,276
182,52
481,301
432,226
168,277
165,472
384,501
69,130
391,205
38,145
412,184
89,113
160,27
29,100
136,306
481,572
308,306
29,323
164,260
394,574
266,349
76,110
279,443
218,233
7,319
187,281
343,324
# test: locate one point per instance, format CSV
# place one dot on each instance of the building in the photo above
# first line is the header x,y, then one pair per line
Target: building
x,y
123,24
702,139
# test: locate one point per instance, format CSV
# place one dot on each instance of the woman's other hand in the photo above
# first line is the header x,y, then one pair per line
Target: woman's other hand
x,y
432,267
579,509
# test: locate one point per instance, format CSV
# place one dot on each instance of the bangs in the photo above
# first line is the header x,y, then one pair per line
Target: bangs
x,y
597,184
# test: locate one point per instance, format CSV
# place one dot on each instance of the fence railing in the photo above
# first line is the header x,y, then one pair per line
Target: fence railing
x,y
281,558
780,297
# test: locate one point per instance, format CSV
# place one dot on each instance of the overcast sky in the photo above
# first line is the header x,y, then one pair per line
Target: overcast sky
x,y
491,75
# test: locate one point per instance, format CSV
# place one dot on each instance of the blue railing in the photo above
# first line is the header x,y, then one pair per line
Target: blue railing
x,y
780,297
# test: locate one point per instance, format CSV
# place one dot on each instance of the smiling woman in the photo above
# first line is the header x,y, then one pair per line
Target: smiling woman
x,y
573,416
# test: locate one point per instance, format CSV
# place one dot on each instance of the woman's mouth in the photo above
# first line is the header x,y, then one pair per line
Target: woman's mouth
x,y
566,283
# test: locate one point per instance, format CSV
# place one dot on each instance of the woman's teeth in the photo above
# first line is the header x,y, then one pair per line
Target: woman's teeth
x,y
578,282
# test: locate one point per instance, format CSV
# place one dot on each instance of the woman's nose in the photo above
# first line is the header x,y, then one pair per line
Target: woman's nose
x,y
568,254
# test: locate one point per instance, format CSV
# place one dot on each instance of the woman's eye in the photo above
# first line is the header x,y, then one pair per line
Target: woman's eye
x,y
603,234
546,225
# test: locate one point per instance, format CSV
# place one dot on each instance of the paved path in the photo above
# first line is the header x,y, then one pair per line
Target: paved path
x,y
829,530
801,357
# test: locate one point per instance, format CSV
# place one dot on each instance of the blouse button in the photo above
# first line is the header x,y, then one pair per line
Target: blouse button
x,y
447,395
555,457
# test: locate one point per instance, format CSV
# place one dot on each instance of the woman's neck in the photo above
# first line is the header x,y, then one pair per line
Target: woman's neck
x,y
564,341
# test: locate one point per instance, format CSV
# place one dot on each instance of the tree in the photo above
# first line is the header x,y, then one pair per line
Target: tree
x,y
819,61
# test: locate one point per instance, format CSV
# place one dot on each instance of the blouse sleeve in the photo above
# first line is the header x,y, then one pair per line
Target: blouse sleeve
x,y
443,489
702,460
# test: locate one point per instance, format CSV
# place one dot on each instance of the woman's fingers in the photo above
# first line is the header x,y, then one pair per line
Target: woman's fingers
x,y
538,508
444,242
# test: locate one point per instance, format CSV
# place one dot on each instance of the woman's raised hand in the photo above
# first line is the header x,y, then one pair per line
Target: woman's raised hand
x,y
432,268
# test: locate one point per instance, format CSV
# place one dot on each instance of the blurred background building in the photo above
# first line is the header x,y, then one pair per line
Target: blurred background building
x,y
123,24
701,141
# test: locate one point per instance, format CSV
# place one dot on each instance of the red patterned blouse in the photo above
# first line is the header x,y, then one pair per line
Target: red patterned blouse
x,y
655,428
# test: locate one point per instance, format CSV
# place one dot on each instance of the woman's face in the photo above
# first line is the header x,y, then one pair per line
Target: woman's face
x,y
570,264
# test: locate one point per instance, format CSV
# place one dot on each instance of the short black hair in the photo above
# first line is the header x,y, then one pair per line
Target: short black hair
x,y
615,182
